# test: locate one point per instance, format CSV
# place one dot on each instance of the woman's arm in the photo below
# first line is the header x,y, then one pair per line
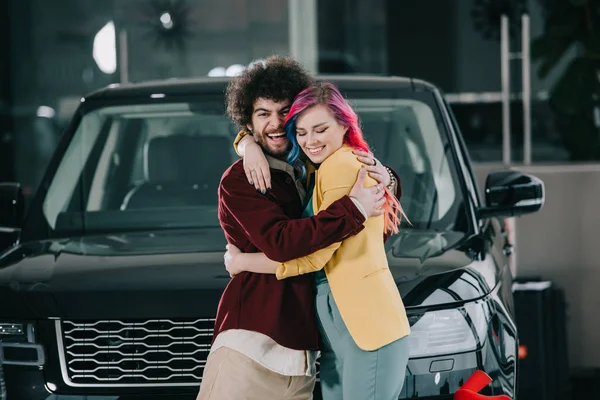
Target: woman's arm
x,y
317,260
258,173
256,165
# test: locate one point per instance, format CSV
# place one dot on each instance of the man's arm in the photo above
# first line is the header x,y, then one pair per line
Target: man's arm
x,y
280,237
259,263
312,262
316,260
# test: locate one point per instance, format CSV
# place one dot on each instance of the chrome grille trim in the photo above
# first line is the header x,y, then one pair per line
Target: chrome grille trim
x,y
126,354
150,321
103,365
132,341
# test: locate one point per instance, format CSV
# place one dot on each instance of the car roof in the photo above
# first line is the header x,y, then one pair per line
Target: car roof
x,y
184,86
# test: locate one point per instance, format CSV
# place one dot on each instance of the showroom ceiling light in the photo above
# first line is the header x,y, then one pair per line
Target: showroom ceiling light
x,y
45,112
217,71
166,20
232,70
105,49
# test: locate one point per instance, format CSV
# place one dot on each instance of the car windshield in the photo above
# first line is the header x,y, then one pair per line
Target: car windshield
x,y
157,166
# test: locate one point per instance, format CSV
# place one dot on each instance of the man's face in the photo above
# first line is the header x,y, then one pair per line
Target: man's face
x,y
267,126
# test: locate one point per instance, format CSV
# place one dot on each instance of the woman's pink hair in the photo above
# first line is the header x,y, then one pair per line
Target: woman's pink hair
x,y
326,94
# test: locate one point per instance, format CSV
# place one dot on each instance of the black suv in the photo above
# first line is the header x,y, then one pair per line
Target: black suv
x,y
109,283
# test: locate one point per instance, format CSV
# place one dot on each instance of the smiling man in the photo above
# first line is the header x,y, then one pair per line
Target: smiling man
x,y
269,136
266,337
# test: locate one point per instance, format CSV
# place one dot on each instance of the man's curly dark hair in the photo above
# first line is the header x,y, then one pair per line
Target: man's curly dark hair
x,y
276,78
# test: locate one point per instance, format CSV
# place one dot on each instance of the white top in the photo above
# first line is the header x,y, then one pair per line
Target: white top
x,y
268,353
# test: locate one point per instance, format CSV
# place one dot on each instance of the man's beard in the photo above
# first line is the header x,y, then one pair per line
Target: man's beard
x,y
262,141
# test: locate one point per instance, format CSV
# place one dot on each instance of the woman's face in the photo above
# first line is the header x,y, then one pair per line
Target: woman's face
x,y
318,133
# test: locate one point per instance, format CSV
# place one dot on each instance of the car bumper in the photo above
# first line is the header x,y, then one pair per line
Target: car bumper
x,y
426,378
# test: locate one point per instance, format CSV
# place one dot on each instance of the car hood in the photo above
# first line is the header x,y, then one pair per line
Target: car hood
x,y
132,275
433,268
145,275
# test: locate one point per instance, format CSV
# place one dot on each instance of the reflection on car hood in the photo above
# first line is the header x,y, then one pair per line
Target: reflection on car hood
x,y
421,244
431,268
134,275
112,256
428,267
141,243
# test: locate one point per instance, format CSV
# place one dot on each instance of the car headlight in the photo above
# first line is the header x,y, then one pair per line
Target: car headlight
x,y
449,331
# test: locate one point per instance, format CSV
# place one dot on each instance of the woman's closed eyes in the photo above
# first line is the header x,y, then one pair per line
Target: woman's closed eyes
x,y
302,132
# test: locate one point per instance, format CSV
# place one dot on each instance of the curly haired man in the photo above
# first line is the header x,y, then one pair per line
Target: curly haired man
x,y
266,337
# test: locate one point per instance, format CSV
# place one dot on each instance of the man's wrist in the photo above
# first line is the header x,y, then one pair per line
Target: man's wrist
x,y
360,207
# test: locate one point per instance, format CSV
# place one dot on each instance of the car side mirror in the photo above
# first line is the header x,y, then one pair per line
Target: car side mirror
x,y
12,206
512,193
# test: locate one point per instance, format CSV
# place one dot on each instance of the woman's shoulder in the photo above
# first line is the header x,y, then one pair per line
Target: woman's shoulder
x,y
342,158
339,169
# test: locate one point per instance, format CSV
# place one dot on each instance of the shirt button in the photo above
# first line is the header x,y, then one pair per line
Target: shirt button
x,y
288,180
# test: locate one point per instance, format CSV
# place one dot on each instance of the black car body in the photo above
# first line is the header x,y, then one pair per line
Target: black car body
x,y
110,282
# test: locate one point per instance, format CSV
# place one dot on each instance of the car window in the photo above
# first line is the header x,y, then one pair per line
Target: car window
x,y
406,135
158,166
142,158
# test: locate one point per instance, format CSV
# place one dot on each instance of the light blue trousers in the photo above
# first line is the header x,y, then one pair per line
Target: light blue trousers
x,y
349,373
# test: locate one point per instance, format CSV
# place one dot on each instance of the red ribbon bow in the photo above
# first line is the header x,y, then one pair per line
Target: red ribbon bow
x,y
470,389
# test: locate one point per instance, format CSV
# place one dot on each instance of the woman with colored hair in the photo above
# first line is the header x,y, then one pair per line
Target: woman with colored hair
x,y
361,316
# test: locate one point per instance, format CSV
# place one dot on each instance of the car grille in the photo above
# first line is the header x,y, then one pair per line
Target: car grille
x,y
120,352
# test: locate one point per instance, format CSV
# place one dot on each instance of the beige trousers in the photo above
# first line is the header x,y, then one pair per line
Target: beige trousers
x,y
230,375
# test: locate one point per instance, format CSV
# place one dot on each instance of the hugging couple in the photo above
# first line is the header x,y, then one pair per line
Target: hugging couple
x,y
306,212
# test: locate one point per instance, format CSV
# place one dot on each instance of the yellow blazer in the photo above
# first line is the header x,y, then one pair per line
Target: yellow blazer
x,y
357,269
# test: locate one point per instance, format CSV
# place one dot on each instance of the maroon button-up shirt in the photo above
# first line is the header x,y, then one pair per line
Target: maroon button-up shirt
x,y
284,310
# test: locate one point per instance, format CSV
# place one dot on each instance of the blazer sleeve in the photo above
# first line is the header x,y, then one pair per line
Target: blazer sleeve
x,y
237,140
336,182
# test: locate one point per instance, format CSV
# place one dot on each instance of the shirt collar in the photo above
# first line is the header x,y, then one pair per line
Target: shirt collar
x,y
281,165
